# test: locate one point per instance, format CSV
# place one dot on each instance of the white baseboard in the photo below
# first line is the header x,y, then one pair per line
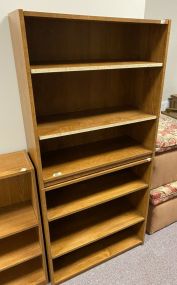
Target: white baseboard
x,y
164,105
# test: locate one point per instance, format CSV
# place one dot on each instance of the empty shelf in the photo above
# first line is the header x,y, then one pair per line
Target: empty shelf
x,y
89,226
87,194
80,122
19,248
76,161
14,164
30,272
16,218
68,67
74,263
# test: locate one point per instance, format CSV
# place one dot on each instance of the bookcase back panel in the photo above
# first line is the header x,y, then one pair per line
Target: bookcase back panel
x,y
80,139
59,40
79,91
15,190
61,93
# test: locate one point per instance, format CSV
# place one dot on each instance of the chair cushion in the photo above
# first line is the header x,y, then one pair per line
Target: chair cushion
x,y
163,193
167,134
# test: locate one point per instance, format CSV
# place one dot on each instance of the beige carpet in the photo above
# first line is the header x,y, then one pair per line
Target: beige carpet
x,y
154,263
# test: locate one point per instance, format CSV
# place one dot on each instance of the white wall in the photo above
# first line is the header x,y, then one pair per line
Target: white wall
x,y
167,9
12,136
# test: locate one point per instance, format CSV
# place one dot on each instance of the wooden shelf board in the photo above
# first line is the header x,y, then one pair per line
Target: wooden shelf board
x,y
14,163
16,218
76,161
69,67
82,196
90,226
80,122
96,174
18,249
30,272
92,255
92,18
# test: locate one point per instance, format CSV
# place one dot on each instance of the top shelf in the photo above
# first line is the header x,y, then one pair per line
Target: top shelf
x,y
14,163
69,67
92,18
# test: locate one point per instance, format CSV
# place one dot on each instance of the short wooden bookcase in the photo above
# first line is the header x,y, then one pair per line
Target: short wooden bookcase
x,y
22,254
90,90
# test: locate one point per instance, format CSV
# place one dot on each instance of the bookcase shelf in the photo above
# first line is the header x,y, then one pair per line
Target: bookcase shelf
x,y
91,100
80,260
21,240
35,69
80,160
91,225
23,215
80,122
18,249
93,192
26,273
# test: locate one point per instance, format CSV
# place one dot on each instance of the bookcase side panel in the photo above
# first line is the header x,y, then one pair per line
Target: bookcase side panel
x,y
18,35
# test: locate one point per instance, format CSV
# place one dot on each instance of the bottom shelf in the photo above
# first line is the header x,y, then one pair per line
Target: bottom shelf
x,y
82,259
30,272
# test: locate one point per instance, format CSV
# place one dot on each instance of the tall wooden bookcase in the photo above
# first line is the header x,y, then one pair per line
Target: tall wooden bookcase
x,y
22,254
90,90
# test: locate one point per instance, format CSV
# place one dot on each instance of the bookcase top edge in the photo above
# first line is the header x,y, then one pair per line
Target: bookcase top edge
x,y
14,163
92,18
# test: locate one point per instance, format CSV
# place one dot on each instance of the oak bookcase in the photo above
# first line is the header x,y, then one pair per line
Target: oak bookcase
x,y
22,254
90,90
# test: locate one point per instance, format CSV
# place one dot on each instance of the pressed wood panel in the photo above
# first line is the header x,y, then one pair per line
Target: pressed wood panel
x,y
81,122
92,18
16,218
29,272
77,197
78,160
63,93
90,40
60,184
70,67
93,224
19,248
15,189
13,163
80,91
82,259
21,239
76,155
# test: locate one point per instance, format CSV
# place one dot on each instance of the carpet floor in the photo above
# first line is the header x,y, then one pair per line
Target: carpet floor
x,y
154,263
